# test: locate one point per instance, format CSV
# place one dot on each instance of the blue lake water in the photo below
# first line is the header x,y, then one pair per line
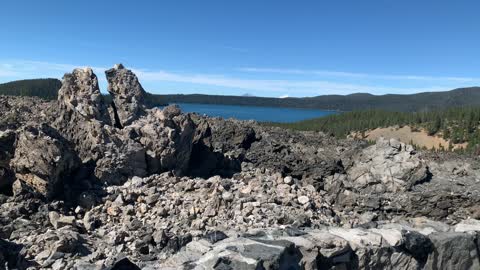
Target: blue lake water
x,y
261,114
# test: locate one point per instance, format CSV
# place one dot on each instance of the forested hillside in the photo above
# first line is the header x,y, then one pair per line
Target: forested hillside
x,y
458,125
43,88
405,103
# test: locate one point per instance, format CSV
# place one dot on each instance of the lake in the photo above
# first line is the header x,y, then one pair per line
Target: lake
x,y
261,114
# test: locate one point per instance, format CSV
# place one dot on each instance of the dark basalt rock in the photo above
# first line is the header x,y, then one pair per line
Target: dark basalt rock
x,y
215,236
453,251
11,256
124,264
417,244
7,143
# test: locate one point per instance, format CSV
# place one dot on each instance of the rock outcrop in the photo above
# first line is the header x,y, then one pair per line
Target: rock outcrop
x,y
43,160
80,93
389,246
144,141
85,121
127,94
454,250
387,166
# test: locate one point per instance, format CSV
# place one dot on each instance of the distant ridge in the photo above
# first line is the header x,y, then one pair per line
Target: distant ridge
x,y
359,101
48,88
43,88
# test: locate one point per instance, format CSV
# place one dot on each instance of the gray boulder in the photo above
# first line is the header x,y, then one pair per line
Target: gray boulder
x,y
334,248
453,251
43,159
387,166
121,162
167,135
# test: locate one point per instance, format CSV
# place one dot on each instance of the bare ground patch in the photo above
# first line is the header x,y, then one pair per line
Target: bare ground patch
x,y
405,134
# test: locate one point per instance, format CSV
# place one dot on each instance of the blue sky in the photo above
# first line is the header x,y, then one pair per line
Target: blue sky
x,y
265,48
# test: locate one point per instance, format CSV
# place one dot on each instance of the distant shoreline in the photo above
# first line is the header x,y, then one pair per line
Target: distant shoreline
x,y
246,105
426,101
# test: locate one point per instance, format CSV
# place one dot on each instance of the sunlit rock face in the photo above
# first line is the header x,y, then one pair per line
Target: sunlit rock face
x,y
127,94
80,93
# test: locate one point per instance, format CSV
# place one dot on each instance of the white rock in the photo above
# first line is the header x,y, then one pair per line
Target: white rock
x,y
358,238
393,237
246,190
288,180
303,200
468,225
53,217
78,210
227,196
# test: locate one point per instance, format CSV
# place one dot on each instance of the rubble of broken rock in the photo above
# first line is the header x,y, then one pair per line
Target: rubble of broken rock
x,y
90,185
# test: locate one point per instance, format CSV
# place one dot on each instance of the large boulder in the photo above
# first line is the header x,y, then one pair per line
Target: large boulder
x,y
387,166
43,159
167,135
120,162
453,251
224,158
382,178
334,248
127,93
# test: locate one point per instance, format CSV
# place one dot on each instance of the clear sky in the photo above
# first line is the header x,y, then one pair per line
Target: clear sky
x,y
261,47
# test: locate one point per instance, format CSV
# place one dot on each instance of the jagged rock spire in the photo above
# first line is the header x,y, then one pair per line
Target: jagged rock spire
x,y
80,93
127,93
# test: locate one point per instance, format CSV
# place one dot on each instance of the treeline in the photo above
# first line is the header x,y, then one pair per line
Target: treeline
x,y
43,88
459,125
48,90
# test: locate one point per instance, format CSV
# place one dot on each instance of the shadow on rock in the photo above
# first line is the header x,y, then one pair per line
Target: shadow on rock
x,y
11,255
124,264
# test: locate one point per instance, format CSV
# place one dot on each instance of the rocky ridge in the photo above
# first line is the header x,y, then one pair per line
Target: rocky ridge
x,y
90,185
